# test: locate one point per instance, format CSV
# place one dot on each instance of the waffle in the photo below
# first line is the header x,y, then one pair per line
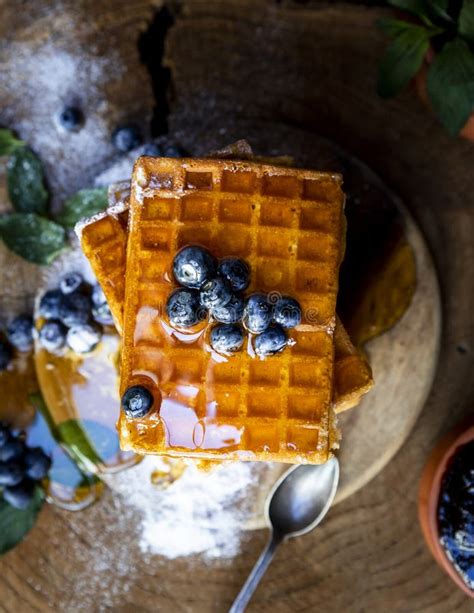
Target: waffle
x,y
353,375
288,225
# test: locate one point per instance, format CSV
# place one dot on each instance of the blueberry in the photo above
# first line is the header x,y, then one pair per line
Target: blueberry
x,y
193,266
6,355
20,332
19,496
184,309
174,151
98,296
287,312
271,341
215,293
83,338
49,304
11,473
236,271
137,402
227,338
126,138
4,434
231,313
71,282
75,309
153,150
71,118
102,314
37,463
52,335
258,313
13,449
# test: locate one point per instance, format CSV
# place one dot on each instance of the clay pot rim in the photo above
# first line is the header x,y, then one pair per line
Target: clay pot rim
x,y
430,486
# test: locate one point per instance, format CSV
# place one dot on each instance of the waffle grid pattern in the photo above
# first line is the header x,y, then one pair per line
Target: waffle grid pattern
x,y
272,217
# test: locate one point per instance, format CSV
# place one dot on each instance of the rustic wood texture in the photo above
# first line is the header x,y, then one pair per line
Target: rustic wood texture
x,y
277,74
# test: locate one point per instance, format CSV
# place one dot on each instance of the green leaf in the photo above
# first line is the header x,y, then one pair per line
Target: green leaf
x,y
8,142
15,523
34,238
403,59
85,203
25,180
73,435
450,85
466,21
427,10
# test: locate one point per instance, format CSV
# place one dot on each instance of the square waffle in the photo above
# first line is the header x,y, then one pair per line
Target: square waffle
x,y
288,225
107,232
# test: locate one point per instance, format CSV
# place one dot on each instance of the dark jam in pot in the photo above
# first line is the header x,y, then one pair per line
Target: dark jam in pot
x,y
456,512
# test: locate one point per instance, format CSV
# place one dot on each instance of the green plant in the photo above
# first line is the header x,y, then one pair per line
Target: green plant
x,y
29,231
447,28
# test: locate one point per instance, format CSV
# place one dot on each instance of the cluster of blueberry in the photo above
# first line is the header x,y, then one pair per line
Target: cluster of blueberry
x,y
124,138
215,288
74,314
21,467
19,337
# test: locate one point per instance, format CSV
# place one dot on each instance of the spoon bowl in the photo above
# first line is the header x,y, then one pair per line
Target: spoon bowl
x,y
301,498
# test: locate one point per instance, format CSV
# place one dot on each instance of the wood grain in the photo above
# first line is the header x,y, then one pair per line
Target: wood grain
x,y
278,75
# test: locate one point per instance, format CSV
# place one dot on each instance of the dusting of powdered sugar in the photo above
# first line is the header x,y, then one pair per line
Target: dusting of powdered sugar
x,y
200,513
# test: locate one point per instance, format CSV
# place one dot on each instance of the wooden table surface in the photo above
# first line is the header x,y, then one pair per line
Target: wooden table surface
x,y
273,69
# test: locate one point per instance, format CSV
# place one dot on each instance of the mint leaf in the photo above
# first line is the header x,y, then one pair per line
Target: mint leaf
x,y
450,85
426,10
403,58
34,238
75,438
15,523
85,203
8,142
25,180
466,21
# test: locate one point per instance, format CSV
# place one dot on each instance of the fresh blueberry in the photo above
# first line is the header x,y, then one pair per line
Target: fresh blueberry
x,y
287,312
174,151
153,150
52,335
102,314
49,304
271,341
11,473
71,282
126,138
75,309
236,271
4,434
258,313
184,309
37,463
83,338
215,293
137,402
98,296
19,496
227,338
6,354
13,449
71,118
193,266
231,313
20,332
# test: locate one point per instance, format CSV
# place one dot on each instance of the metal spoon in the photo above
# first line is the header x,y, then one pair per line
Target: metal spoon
x,y
297,503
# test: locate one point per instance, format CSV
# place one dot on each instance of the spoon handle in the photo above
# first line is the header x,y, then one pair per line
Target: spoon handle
x,y
257,573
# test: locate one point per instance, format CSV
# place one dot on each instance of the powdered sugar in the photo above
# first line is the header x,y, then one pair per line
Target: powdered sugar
x,y
200,513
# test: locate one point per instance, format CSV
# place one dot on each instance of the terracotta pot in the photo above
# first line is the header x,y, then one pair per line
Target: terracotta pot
x,y
429,495
421,89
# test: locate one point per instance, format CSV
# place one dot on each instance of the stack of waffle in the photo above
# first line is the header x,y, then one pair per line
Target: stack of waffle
x,y
288,225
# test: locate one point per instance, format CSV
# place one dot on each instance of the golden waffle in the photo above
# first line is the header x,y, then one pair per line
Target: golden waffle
x,y
353,375
288,225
